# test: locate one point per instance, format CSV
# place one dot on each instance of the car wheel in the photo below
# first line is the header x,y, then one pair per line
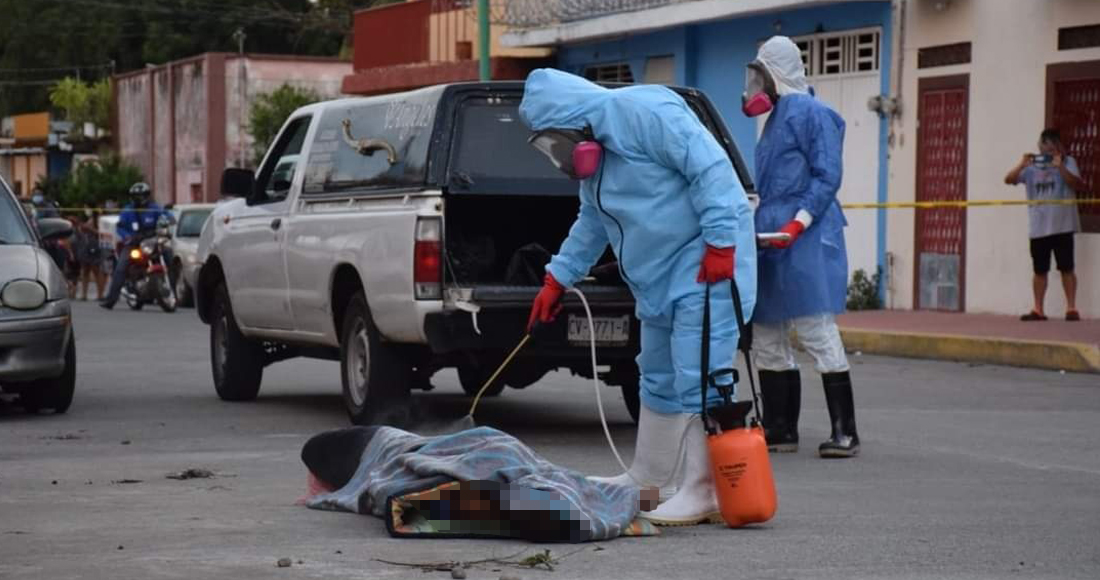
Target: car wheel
x,y
184,297
56,393
236,361
375,377
472,377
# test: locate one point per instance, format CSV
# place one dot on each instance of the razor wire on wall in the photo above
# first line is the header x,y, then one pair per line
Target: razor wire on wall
x,y
537,13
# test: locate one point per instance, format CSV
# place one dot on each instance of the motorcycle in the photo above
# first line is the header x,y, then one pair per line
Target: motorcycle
x,y
147,277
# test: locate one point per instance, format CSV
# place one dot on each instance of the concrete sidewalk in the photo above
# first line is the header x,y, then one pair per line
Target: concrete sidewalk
x,y
983,338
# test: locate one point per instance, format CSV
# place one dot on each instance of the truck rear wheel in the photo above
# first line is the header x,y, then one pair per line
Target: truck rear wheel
x,y
626,376
237,362
472,377
632,398
374,375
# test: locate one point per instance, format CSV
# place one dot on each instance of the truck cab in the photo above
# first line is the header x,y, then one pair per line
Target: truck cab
x,y
403,234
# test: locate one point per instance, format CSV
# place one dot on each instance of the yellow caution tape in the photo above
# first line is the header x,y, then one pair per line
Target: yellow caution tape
x,y
886,205
966,203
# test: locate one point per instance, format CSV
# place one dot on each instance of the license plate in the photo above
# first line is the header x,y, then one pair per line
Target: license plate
x,y
609,330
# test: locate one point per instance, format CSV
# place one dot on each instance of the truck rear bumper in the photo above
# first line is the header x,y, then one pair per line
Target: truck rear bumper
x,y
502,327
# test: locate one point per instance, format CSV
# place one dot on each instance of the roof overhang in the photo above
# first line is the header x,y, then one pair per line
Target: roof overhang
x,y
667,16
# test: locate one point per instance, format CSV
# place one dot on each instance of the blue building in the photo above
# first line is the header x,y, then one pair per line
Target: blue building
x,y
707,43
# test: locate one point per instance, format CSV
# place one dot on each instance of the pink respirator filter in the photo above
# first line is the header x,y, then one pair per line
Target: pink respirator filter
x,y
586,159
757,105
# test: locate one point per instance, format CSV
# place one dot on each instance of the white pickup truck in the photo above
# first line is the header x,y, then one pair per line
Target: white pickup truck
x,y
402,234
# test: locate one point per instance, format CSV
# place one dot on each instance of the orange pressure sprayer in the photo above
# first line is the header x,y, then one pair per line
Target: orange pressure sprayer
x,y
738,453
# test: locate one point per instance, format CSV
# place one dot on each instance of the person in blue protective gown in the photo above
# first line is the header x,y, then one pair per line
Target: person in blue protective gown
x,y
664,195
803,279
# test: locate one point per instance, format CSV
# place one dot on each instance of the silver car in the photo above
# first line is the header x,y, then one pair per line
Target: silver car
x,y
185,245
37,348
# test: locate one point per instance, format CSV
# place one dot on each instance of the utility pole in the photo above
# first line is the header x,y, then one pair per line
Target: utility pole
x,y
242,98
483,39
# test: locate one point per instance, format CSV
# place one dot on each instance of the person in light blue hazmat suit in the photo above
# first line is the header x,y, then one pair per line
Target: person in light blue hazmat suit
x,y
803,278
657,187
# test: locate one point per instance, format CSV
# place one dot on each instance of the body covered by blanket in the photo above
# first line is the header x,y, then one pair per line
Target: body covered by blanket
x,y
475,483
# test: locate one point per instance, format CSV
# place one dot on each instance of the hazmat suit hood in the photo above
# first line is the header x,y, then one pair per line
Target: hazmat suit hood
x,y
783,60
558,100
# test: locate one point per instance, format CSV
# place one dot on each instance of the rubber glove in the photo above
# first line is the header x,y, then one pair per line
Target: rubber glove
x,y
794,228
546,305
717,265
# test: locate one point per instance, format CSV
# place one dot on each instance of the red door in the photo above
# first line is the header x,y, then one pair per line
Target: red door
x,y
1076,114
941,176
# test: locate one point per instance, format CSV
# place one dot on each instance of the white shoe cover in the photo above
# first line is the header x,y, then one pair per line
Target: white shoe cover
x,y
695,502
655,453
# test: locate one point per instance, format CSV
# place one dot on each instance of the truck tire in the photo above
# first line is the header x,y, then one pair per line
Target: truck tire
x,y
375,378
632,398
473,376
237,362
56,393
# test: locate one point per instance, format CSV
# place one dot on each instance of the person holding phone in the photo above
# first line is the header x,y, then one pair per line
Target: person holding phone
x,y
1050,175
803,275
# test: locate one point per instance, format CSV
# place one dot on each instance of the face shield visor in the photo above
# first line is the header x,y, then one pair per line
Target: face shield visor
x,y
760,95
575,153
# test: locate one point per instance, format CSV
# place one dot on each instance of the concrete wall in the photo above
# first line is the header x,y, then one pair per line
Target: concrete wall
x,y
446,28
261,76
23,170
184,122
134,123
1013,42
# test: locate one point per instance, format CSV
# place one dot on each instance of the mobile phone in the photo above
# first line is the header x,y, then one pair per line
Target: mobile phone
x,y
773,237
1041,159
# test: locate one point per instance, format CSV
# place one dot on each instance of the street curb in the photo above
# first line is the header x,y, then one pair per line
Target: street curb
x,y
1058,356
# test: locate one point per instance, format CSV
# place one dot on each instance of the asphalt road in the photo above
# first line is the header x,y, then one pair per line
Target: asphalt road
x,y
966,472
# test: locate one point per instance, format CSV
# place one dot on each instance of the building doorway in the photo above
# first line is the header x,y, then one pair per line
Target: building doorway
x,y
941,176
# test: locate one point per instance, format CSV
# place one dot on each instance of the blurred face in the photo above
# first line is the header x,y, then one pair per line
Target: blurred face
x,y
1048,147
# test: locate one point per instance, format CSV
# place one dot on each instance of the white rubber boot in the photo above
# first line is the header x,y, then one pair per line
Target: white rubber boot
x,y
695,502
655,452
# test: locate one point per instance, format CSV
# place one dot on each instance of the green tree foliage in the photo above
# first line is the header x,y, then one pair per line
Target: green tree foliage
x,y
43,41
863,291
270,111
95,182
83,102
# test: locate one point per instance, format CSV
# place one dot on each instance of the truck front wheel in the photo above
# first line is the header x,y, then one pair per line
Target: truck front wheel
x,y
237,362
375,377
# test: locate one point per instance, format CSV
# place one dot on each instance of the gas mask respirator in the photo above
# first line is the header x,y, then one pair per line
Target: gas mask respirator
x,y
574,152
760,95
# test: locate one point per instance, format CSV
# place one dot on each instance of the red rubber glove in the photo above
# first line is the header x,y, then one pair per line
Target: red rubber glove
x,y
546,305
794,228
717,265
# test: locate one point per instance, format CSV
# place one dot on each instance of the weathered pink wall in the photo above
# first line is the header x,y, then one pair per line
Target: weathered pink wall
x,y
264,75
135,121
191,129
200,103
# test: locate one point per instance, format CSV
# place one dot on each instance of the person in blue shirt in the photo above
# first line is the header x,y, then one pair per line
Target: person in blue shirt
x,y
657,187
138,219
803,279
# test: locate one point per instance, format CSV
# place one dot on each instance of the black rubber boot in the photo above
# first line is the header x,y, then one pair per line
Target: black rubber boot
x,y
782,395
844,441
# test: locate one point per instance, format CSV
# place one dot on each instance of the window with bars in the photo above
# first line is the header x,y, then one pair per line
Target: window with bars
x,y
839,54
609,73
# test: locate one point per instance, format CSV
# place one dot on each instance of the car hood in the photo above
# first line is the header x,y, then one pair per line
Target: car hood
x,y
18,261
